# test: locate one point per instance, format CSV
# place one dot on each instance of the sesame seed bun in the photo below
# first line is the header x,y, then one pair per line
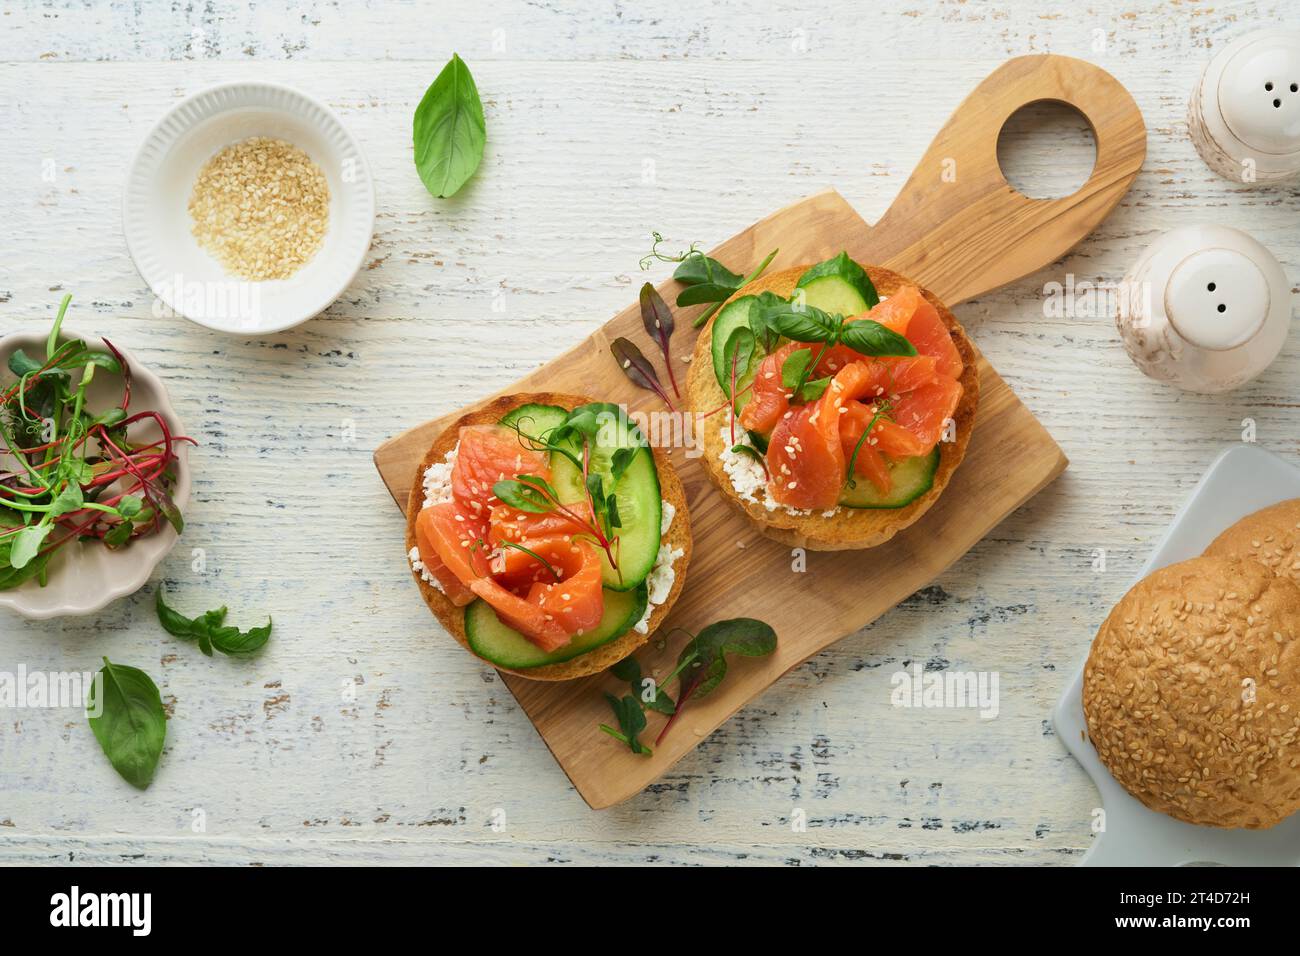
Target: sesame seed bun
x,y
1192,693
1268,536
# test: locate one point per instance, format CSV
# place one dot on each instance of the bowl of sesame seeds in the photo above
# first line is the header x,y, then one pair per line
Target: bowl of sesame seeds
x,y
248,208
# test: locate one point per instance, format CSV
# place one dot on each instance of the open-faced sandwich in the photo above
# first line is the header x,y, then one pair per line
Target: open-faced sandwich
x,y
854,398
547,535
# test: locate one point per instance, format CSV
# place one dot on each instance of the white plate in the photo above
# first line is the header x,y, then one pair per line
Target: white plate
x,y
85,577
1242,480
156,218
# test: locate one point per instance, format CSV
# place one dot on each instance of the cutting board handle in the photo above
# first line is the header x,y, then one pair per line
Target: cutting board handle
x,y
960,229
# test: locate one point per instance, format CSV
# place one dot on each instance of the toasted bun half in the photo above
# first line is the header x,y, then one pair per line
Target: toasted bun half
x,y
1190,693
1269,536
453,617
848,528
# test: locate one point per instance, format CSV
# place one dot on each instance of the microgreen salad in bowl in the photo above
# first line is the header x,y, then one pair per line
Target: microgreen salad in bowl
x,y
93,473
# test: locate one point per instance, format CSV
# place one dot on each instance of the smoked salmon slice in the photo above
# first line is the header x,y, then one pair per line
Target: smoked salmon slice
x,y
529,619
806,459
452,548
924,411
910,314
870,463
574,598
927,332
507,524
768,399
488,454
463,544
457,592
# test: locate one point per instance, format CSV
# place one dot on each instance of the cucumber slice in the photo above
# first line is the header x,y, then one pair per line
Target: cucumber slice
x,y
734,316
535,420
839,285
506,647
639,500
912,477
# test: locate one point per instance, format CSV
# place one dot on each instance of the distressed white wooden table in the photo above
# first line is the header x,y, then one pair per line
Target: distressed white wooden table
x,y
604,122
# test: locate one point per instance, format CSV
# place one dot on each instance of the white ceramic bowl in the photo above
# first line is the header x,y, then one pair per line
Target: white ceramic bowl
x,y
84,577
183,276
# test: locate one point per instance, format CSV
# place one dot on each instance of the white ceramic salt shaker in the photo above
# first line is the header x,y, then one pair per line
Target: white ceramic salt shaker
x,y
1205,307
1244,115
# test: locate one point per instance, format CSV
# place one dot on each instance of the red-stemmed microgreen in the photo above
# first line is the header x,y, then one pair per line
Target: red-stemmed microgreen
x,y
74,473
638,368
658,321
738,353
534,494
701,667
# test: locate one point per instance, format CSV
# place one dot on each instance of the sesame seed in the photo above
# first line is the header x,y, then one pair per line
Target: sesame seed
x,y
260,207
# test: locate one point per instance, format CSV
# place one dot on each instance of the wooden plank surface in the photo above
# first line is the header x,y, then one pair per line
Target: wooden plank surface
x,y
292,521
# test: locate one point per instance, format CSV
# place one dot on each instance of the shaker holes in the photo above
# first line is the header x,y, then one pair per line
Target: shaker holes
x,y
1277,103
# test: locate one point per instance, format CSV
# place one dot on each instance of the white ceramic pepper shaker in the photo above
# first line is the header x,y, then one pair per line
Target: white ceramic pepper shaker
x,y
1205,307
1244,115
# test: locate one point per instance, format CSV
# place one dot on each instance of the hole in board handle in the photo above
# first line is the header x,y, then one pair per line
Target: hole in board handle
x,y
1047,150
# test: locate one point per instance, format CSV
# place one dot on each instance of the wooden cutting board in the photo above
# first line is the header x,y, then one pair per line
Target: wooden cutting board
x,y
958,229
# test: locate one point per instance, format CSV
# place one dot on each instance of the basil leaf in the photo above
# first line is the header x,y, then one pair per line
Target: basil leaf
x,y
211,631
766,305
804,323
449,130
869,337
26,544
231,640
131,725
848,270
173,622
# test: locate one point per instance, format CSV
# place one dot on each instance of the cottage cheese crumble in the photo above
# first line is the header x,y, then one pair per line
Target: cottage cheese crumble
x,y
662,576
749,480
437,479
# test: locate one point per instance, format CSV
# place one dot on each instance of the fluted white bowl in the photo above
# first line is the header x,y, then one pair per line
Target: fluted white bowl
x,y
188,281
84,576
